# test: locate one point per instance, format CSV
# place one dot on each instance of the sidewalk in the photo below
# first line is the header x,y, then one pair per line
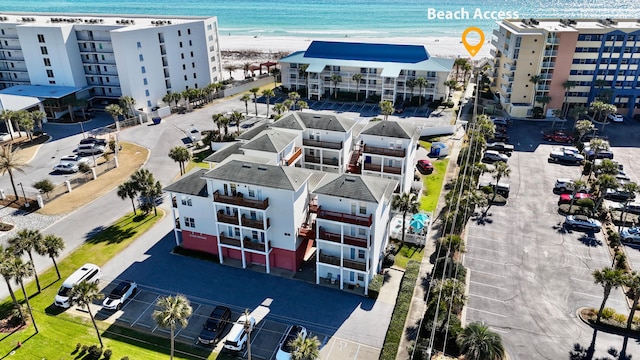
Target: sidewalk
x,y
418,305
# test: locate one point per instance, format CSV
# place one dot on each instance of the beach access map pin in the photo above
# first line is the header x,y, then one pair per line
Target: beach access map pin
x,y
471,48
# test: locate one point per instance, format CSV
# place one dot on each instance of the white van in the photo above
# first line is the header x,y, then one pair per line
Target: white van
x,y
90,149
87,272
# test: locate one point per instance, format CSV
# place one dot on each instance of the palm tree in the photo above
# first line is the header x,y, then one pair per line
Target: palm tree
x,y
411,84
225,124
173,310
293,96
128,190
230,68
246,98
179,154
632,281
127,102
145,183
279,108
237,117
10,161
477,342
84,294
535,79
7,116
114,110
467,67
218,119
451,84
386,108
459,63
7,271
26,241
52,246
357,77
405,203
578,185
500,170
26,122
71,103
268,94
305,348
605,181
544,100
245,67
421,83
609,279
567,85
38,116
583,127
302,73
275,72
21,271
301,105
254,91
336,79
631,188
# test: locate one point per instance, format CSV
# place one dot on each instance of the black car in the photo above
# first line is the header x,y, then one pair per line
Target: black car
x,y
619,195
499,137
602,154
399,108
92,140
213,328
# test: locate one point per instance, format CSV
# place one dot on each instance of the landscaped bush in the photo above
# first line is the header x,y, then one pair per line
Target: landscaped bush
x,y
586,203
375,285
455,267
575,210
388,261
607,313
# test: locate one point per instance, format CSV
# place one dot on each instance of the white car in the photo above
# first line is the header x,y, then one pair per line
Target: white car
x,y
564,186
493,156
615,117
77,159
237,338
5,137
630,235
66,167
582,222
194,135
119,295
285,349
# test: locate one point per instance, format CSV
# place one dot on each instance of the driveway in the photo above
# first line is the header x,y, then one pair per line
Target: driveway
x,y
529,275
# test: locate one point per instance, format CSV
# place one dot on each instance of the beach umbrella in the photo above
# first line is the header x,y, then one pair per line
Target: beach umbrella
x,y
420,217
417,225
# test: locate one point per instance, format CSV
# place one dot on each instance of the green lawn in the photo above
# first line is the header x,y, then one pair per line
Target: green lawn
x,y
60,331
197,160
407,253
433,186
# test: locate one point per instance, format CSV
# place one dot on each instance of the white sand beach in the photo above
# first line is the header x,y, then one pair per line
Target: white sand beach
x,y
238,50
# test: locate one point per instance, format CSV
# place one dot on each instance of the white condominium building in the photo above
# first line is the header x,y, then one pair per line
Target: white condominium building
x,y
105,57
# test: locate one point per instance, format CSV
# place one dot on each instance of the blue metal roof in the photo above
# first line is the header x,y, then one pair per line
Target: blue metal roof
x,y
391,53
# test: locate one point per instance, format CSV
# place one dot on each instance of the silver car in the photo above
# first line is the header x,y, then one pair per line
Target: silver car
x,y
493,156
582,222
631,235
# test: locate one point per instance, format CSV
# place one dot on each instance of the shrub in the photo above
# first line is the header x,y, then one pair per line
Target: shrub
x,y
456,242
621,261
453,268
375,285
84,167
45,186
614,238
621,318
125,358
95,352
608,313
586,203
107,354
389,260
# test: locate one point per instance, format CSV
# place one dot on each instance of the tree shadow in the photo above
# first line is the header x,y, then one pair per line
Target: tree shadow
x,y
54,310
590,240
482,218
581,353
111,235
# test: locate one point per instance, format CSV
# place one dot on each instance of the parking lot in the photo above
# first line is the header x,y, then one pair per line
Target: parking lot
x,y
528,274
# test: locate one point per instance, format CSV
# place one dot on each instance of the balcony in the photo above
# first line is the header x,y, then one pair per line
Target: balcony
x,y
335,260
253,223
552,41
174,202
240,201
294,157
178,223
228,219
322,144
229,240
345,218
548,64
384,151
248,244
347,240
328,259
317,160
386,169
551,53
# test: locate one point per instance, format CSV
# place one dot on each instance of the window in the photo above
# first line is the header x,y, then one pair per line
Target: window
x,y
47,61
149,103
209,27
186,201
179,33
189,222
50,73
185,78
182,55
43,50
194,76
144,71
52,82
184,67
363,209
40,38
139,45
144,81
360,254
190,43
188,31
360,277
193,65
192,54
252,193
146,92
180,43
141,57
210,37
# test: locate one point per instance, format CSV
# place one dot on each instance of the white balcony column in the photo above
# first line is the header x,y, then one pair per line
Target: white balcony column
x,y
220,255
266,257
341,260
243,254
366,283
317,266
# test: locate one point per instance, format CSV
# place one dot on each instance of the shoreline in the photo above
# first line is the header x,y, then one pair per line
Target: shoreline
x,y
240,49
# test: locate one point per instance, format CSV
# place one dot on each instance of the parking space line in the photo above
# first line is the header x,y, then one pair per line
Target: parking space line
x,y
590,258
142,313
254,334
192,312
489,261
486,298
493,286
486,273
486,312
596,296
485,238
479,248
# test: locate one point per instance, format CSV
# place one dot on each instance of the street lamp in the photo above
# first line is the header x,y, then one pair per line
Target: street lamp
x,y
26,203
247,329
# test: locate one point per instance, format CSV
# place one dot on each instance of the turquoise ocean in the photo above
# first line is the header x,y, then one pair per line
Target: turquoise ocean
x,y
339,18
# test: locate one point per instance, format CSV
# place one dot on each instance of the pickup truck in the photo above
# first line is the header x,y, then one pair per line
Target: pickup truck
x,y
500,146
563,156
558,136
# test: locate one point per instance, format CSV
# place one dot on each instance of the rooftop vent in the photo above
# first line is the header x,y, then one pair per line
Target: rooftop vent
x,y
349,179
262,168
534,21
246,166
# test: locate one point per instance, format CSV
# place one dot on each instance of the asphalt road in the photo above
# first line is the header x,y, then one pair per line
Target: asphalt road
x,y
529,275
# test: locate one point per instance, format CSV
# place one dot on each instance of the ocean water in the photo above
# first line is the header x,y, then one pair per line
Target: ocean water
x,y
338,18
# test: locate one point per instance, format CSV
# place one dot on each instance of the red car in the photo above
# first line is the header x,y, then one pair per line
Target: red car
x,y
558,136
566,198
425,166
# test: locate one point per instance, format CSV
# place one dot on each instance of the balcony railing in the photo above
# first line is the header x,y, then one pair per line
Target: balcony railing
x,y
328,259
253,223
316,160
348,240
229,219
356,265
296,155
384,151
240,201
386,169
322,144
346,218
248,244
229,240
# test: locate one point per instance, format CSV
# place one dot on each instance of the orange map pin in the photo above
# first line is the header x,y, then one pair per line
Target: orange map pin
x,y
471,48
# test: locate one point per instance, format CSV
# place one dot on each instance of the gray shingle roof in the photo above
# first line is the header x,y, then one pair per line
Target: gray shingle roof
x,y
270,141
251,133
357,187
225,152
190,184
391,128
301,120
271,176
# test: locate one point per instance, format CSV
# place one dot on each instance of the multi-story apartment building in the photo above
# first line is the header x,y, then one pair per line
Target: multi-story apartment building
x,y
268,215
385,70
326,140
105,57
599,57
388,149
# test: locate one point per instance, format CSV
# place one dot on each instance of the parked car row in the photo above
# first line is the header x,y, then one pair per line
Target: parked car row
x,y
70,164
